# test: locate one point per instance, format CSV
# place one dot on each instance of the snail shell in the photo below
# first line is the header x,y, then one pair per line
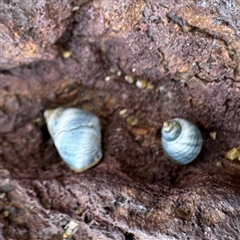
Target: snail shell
x,y
181,140
76,135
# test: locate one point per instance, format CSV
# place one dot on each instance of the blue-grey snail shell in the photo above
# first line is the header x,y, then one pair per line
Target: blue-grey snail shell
x,y
181,140
76,135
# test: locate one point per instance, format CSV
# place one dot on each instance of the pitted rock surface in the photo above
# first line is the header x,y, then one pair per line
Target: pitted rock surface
x,y
188,53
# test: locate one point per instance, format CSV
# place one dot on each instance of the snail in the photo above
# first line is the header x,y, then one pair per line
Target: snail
x,y
181,140
76,135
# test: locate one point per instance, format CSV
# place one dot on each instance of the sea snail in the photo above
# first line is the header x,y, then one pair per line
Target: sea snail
x,y
76,135
181,140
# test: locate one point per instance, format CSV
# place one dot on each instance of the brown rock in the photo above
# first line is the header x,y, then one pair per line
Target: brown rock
x,y
189,51
29,29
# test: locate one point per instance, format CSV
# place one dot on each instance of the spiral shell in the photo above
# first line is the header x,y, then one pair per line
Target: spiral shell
x,y
76,135
181,140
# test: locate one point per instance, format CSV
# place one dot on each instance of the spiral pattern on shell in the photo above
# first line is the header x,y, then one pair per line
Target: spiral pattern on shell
x,y
181,140
76,135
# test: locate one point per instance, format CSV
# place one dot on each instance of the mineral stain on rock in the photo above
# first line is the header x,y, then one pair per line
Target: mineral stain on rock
x,y
189,51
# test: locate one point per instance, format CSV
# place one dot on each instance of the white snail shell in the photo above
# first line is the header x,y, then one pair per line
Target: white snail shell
x,y
181,140
76,135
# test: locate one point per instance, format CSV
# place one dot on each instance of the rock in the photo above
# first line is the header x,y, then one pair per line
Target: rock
x,y
189,52
29,30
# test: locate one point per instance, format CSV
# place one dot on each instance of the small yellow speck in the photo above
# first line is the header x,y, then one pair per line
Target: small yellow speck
x,y
129,79
6,213
66,54
37,120
2,195
150,86
213,135
78,211
133,121
75,8
112,70
141,83
122,112
169,94
65,236
219,164
232,154
119,73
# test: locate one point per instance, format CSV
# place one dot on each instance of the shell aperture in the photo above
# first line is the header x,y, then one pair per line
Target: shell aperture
x,y
76,135
181,140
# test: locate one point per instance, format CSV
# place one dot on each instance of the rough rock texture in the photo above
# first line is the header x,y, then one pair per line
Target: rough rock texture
x,y
29,29
188,55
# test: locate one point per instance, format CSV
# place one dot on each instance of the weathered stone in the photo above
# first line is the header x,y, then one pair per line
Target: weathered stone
x,y
189,51
29,30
